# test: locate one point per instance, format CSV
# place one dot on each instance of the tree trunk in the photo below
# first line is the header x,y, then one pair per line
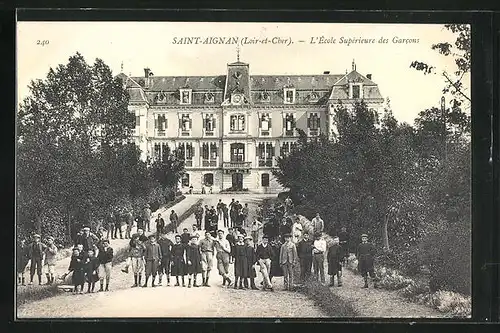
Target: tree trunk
x,y
385,234
38,223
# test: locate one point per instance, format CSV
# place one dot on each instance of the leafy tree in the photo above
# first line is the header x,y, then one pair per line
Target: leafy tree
x,y
168,170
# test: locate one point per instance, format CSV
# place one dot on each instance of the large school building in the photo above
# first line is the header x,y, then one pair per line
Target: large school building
x,y
230,128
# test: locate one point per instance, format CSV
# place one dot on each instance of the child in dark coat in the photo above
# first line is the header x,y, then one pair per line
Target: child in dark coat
x,y
240,262
178,260
91,268
76,266
334,259
366,254
193,257
251,261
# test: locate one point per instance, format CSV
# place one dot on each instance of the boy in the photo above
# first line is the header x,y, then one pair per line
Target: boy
x,y
251,261
319,249
365,255
166,257
50,260
207,247
288,258
304,251
105,257
196,231
199,216
136,255
264,255
174,220
91,268
21,261
240,262
178,260
185,236
152,256
193,258
232,241
334,258
36,252
256,226
76,266
223,257
160,225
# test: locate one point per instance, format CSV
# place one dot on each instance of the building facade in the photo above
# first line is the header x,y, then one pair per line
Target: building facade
x,y
230,128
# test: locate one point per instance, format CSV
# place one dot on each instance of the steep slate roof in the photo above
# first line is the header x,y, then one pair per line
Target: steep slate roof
x,y
307,82
173,83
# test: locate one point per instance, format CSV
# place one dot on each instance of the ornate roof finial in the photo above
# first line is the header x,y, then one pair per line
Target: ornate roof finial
x,y
353,65
238,53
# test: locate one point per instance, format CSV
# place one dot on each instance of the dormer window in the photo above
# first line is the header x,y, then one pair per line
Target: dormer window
x,y
289,124
356,91
313,124
186,95
209,97
289,95
265,96
314,97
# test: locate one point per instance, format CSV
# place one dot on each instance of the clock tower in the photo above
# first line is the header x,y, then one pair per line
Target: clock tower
x,y
237,90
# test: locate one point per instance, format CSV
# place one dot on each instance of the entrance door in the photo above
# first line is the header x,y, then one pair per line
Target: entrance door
x,y
238,181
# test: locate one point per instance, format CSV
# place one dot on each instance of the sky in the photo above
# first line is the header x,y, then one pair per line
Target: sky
x,y
137,45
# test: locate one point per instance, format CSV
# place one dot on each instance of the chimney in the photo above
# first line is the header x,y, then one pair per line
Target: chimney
x,y
146,72
326,72
369,76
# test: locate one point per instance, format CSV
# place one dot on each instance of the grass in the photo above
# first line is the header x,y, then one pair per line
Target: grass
x,y
330,303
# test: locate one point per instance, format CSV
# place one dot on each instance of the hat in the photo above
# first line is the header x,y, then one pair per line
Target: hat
x,y
220,230
36,236
193,236
287,235
364,235
50,237
248,237
239,235
152,236
86,228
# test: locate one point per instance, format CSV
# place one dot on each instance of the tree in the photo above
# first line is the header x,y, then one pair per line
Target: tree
x,y
167,170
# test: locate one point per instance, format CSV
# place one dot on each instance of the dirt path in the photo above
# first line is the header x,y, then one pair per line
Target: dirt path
x,y
216,301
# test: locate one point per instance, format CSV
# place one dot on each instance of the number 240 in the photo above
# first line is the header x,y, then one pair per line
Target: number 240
x,y
42,42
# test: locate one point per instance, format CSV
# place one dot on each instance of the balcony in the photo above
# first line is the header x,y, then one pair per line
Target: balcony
x,y
209,133
209,163
185,132
264,132
234,165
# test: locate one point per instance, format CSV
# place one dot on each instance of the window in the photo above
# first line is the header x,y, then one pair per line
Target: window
x,y
265,124
185,151
264,179
287,148
160,149
185,123
185,180
356,88
208,179
185,96
209,124
237,152
313,122
209,154
237,122
160,124
289,124
265,153
137,121
289,95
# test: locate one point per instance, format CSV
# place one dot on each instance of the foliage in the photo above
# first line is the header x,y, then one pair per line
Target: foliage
x,y
75,162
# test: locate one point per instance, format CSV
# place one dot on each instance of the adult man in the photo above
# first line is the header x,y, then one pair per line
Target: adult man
x,y
214,222
304,251
110,225
130,223
366,254
105,264
36,256
195,231
255,228
223,248
344,243
198,216
334,258
88,240
50,259
208,218
118,226
152,256
318,224
264,255
207,247
285,227
319,249
147,217
185,236
174,220
160,225
166,257
288,258
232,212
225,215
219,209
244,215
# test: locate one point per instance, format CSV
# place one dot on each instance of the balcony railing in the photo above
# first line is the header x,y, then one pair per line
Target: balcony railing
x,y
264,132
265,163
160,132
236,165
209,163
185,132
209,133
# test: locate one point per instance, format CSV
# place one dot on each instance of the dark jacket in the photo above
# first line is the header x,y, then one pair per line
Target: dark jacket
x,y
105,256
166,248
264,252
365,254
153,251
304,249
160,224
334,257
35,251
185,237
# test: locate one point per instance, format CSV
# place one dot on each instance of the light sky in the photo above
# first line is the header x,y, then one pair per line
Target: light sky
x,y
150,44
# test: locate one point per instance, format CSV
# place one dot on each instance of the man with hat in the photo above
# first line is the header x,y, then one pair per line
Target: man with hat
x,y
223,248
36,255
207,248
366,254
147,217
334,259
288,259
50,260
264,255
88,240
319,249
152,256
251,261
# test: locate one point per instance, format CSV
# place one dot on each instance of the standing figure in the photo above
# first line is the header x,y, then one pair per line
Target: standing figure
x,y
160,225
185,236
318,224
166,257
223,256
304,251
319,249
152,256
50,260
76,266
198,216
334,259
105,257
264,255
91,268
88,240
244,215
136,254
256,226
139,220
344,243
207,248
251,261
240,262
207,218
36,255
174,220
118,225
276,269
288,259
231,238
178,260
225,215
110,225
232,212
366,256
285,227
130,224
219,209
22,258
147,217
195,231
194,261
